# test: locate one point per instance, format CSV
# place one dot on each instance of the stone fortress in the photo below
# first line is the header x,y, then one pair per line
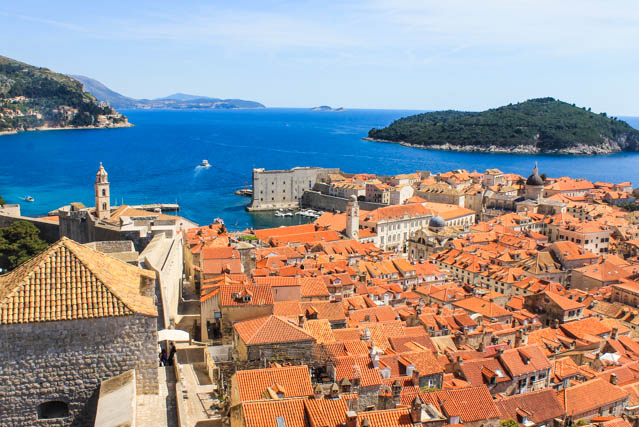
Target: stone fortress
x,y
283,189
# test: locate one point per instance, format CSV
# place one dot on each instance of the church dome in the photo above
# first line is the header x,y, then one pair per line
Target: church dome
x,y
534,179
437,222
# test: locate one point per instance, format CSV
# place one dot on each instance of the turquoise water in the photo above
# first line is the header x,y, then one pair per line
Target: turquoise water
x,y
156,161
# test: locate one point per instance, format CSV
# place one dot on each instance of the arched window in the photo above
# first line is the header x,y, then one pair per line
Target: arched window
x,y
53,409
104,192
103,206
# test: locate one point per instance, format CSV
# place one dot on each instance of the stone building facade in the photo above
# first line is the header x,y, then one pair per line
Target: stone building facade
x,y
70,318
65,362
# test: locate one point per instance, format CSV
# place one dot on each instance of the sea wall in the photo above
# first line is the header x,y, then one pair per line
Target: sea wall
x,y
49,231
324,202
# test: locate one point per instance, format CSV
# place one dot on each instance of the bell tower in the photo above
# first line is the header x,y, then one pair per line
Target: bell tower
x,y
352,218
102,195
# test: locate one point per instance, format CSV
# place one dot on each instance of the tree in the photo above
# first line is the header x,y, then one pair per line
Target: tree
x,y
543,176
2,202
508,423
18,243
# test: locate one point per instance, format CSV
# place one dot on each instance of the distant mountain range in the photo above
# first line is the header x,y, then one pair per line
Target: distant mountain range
x,y
177,101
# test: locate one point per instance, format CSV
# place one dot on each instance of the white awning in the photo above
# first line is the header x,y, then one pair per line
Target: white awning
x,y
176,335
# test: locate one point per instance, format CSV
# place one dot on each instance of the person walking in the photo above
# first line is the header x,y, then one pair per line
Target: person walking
x,y
163,357
172,354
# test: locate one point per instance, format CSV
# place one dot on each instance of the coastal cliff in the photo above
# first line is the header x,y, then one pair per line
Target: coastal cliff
x,y
33,98
536,126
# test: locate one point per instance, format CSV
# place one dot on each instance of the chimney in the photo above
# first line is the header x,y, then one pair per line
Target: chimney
x,y
351,419
300,320
317,392
615,332
555,324
613,379
334,391
460,360
416,377
416,409
375,359
397,391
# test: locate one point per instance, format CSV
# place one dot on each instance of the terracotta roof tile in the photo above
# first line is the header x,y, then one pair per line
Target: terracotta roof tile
x,y
589,396
265,413
294,381
70,281
542,405
269,330
259,295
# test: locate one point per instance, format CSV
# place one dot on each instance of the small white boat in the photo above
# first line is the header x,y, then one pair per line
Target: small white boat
x,y
205,164
279,213
288,214
29,199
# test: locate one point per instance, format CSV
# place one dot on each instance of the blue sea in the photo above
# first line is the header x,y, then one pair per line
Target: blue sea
x,y
156,161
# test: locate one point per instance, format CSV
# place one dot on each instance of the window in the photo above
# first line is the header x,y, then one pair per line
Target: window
x,y
103,192
53,409
103,206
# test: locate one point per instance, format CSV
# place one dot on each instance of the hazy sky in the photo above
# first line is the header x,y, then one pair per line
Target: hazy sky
x,y
413,54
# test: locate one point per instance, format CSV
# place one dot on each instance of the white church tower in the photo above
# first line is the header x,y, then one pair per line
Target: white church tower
x,y
102,195
352,218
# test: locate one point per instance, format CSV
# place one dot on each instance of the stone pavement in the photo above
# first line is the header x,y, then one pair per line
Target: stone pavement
x,y
159,410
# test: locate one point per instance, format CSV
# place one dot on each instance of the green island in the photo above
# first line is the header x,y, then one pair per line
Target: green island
x,y
34,98
543,125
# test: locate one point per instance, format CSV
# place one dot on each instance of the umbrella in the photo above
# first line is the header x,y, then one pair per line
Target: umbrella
x,y
175,335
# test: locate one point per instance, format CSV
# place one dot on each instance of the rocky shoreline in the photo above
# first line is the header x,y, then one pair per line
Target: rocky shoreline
x,y
47,128
607,147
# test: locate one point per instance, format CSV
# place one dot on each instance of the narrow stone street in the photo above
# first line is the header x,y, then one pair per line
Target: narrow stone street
x,y
159,410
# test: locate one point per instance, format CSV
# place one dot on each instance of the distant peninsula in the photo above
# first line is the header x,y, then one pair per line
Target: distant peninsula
x,y
543,125
328,108
34,98
177,101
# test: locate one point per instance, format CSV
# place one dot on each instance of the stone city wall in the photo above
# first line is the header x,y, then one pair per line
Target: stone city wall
x,y
67,360
49,231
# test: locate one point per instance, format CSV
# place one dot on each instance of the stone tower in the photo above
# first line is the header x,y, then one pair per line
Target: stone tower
x,y
102,195
352,218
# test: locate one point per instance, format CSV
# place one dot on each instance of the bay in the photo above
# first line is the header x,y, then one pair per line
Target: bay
x,y
156,161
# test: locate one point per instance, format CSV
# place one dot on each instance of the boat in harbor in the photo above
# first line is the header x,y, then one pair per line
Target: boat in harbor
x,y
205,164
29,199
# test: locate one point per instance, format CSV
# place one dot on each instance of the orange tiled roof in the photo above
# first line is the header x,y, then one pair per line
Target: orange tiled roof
x,y
260,295
294,381
326,412
269,330
313,287
320,329
589,396
523,360
542,405
265,413
69,281
483,307
398,417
